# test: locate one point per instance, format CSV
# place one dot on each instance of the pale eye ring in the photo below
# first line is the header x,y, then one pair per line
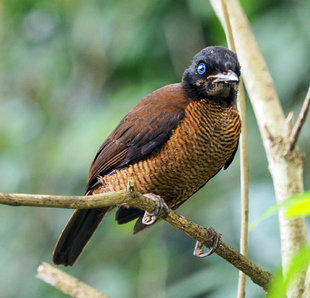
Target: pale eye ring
x,y
201,68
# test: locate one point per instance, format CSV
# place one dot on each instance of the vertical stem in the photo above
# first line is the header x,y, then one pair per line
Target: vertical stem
x,y
244,165
244,177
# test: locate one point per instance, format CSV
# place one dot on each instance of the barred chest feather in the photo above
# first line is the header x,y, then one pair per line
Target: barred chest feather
x,y
198,148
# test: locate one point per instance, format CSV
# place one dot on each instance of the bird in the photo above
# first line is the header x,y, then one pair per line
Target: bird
x,y
172,143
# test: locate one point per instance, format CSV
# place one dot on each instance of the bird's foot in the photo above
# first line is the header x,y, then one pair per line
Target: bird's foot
x,y
151,217
215,237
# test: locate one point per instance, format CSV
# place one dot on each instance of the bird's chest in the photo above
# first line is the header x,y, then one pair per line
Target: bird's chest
x,y
197,149
205,139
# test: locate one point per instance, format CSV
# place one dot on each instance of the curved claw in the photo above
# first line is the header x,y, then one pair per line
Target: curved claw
x,y
151,217
198,252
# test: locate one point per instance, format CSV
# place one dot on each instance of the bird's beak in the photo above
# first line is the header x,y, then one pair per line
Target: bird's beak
x,y
224,77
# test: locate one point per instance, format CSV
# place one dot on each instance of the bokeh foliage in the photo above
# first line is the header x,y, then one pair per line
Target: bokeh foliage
x,y
69,71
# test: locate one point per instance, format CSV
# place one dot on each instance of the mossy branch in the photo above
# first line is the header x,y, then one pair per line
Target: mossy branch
x,y
132,198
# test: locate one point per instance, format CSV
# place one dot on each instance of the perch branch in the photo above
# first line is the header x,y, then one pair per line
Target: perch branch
x,y
135,199
66,283
299,123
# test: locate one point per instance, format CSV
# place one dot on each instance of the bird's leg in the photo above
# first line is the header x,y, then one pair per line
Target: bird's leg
x,y
215,237
151,217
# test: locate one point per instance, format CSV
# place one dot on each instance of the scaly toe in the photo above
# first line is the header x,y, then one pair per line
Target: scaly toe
x,y
151,217
198,251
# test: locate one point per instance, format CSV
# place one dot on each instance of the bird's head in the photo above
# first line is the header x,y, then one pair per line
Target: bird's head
x,y
214,74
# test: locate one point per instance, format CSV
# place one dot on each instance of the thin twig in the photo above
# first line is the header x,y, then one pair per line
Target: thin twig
x,y
299,123
289,124
66,283
244,177
244,164
135,199
227,27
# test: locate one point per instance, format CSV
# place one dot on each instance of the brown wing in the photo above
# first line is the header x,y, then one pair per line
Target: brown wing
x,y
143,130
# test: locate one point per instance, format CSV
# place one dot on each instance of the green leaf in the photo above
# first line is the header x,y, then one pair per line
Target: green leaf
x,y
298,264
267,213
298,205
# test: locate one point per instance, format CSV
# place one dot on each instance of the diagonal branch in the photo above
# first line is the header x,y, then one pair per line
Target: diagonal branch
x,y
299,123
135,199
66,283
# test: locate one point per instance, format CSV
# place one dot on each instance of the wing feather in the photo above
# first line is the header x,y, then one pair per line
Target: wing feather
x,y
142,131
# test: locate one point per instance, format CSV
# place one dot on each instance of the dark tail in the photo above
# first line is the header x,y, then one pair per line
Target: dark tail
x,y
76,234
124,215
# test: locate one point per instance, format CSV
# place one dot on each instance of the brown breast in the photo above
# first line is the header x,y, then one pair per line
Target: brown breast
x,y
197,149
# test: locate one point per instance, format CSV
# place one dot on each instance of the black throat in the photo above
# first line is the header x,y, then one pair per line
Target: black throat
x,y
199,92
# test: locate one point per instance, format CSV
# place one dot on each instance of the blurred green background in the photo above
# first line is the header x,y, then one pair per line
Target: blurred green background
x,y
69,71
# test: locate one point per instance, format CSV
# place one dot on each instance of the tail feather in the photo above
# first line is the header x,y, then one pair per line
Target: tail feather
x,y
124,215
76,234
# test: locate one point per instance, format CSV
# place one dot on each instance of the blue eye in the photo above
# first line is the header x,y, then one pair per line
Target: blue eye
x,y
201,68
